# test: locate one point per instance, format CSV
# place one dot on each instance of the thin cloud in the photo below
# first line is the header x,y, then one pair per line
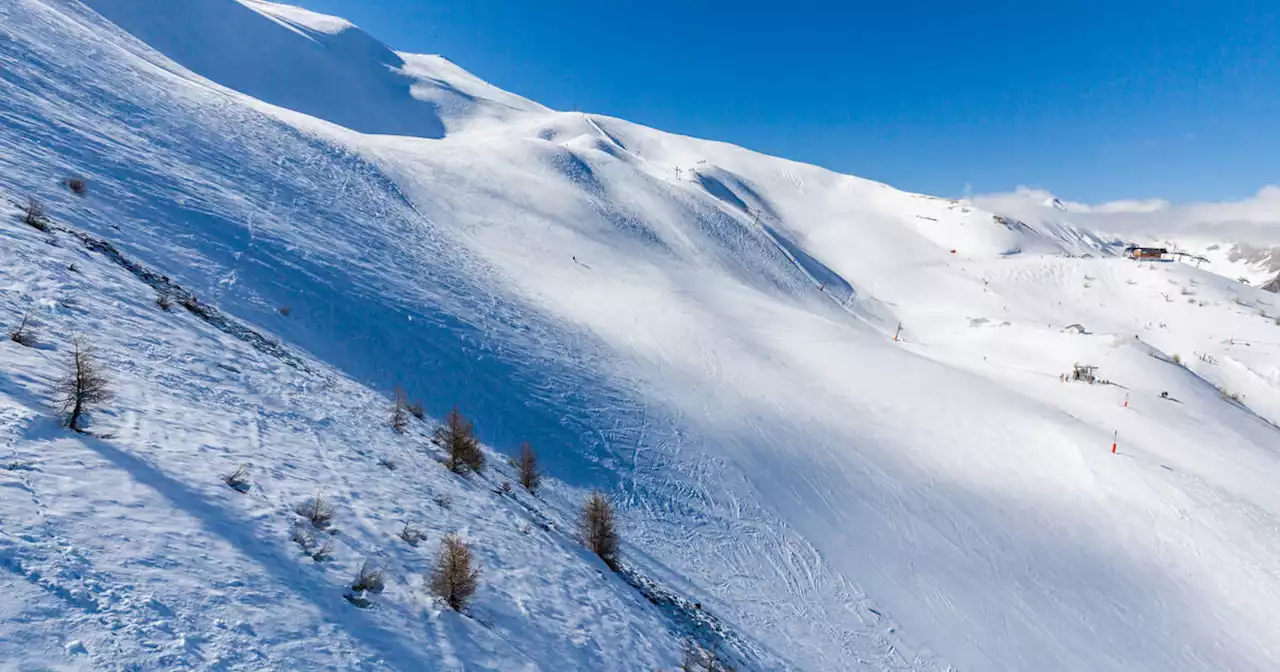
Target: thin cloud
x,y
1254,220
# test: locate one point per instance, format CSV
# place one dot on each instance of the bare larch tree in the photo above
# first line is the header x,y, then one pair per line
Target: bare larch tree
x,y
24,333
400,411
597,528
33,214
530,477
458,439
84,386
454,579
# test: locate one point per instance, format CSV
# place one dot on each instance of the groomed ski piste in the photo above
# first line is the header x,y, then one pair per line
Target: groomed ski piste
x,y
833,415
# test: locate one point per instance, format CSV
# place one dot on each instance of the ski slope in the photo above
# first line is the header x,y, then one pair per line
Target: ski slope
x,y
704,332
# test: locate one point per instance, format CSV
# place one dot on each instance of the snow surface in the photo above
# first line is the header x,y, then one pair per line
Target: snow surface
x,y
702,331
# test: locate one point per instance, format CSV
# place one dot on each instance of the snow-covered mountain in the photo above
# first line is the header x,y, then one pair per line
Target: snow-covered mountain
x,y
832,414
1239,260
1236,240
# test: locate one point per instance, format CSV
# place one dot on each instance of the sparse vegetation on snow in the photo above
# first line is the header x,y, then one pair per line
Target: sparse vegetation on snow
x,y
25,332
457,438
596,527
83,387
33,214
455,578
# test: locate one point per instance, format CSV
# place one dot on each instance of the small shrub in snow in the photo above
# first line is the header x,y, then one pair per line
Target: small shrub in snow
x,y
457,437
1177,359
530,478
443,501
412,535
33,215
417,411
25,332
324,552
369,580
388,462
238,480
302,536
597,527
76,185
317,510
306,540
400,411
83,388
165,303
455,578
285,311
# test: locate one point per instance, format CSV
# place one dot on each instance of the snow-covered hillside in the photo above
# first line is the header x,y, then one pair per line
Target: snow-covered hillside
x,y
832,414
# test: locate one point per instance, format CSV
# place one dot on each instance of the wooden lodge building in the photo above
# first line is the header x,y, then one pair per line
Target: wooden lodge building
x,y
1146,253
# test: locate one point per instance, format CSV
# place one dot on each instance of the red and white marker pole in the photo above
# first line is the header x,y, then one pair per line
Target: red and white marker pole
x,y
1126,400
1115,437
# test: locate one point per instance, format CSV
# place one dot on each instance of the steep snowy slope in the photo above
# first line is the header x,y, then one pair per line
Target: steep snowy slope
x,y
130,551
703,331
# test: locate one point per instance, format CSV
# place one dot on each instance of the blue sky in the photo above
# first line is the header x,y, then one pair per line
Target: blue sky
x,y
1093,100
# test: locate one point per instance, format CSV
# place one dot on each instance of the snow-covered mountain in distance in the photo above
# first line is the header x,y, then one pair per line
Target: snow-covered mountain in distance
x,y
1236,240
1239,260
832,414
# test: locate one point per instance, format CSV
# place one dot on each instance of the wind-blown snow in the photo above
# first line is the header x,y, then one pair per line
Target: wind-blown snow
x,y
705,332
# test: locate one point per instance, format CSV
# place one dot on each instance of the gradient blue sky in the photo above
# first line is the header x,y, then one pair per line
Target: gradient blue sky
x,y
1092,100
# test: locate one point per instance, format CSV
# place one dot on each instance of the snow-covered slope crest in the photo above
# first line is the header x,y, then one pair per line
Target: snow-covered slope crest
x,y
307,62
832,414
303,20
460,97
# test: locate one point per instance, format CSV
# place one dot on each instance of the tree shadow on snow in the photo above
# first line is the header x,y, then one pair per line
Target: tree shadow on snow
x,y
239,534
